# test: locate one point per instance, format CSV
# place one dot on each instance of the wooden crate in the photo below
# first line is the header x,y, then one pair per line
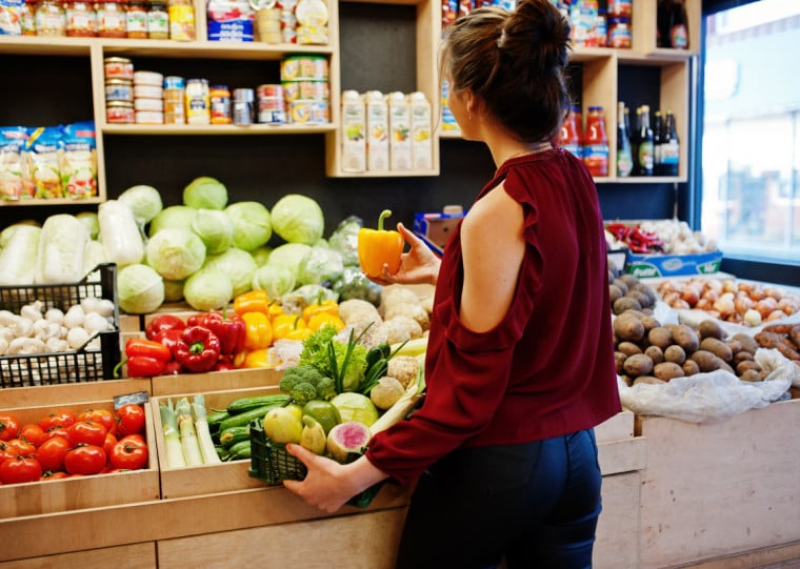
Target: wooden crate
x,y
137,556
215,381
710,491
71,392
617,538
86,491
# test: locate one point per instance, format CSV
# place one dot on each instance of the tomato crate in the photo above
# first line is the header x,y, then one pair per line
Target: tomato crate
x,y
84,364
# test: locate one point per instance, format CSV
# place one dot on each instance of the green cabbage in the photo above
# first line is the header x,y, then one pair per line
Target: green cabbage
x,y
89,219
140,289
208,289
320,265
345,239
252,226
145,201
122,239
289,255
205,193
62,245
298,219
215,230
173,216
276,280
18,257
175,253
173,291
238,265
261,255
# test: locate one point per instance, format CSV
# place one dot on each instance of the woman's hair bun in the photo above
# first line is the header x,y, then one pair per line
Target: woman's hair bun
x,y
536,29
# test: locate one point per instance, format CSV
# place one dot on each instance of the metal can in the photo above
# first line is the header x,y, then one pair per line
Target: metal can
x,y
198,103
149,117
271,90
243,110
147,91
120,112
118,68
318,90
305,68
305,111
174,97
271,110
220,104
119,90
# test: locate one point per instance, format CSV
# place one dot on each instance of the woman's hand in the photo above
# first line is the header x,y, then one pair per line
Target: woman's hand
x,y
419,265
328,485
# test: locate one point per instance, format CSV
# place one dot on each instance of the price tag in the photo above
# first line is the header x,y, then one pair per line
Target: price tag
x,y
139,398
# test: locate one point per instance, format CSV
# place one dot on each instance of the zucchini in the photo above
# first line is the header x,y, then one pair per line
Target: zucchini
x,y
240,451
234,435
243,419
248,403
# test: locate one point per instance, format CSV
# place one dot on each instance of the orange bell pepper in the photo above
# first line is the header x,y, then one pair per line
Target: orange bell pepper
x,y
325,319
379,247
251,301
285,324
259,331
326,306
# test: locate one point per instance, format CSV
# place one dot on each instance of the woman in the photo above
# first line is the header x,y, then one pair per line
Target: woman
x,y
520,363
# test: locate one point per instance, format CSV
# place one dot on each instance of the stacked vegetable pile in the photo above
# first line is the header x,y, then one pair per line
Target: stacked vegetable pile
x,y
64,444
667,236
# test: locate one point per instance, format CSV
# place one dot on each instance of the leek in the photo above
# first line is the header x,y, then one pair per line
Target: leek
x,y
172,441
189,444
207,448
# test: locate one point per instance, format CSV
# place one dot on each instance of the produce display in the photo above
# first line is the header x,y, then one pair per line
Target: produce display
x,y
668,236
64,444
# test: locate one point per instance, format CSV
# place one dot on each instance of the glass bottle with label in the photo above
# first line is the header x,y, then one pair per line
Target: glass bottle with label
x,y
570,136
658,132
595,143
27,18
670,147
624,158
643,151
679,26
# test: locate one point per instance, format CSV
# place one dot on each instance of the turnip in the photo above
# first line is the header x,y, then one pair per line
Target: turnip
x,y
348,437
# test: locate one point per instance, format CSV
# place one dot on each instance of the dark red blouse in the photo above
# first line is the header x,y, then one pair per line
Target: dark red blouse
x,y
548,368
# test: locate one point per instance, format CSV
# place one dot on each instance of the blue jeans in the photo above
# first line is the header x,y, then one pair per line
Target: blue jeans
x,y
534,504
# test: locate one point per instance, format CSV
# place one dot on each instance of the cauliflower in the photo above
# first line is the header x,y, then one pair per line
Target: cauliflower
x,y
404,369
408,310
386,393
357,309
304,383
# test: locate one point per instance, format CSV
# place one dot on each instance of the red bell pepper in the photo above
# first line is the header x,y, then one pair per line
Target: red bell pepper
x,y
145,358
198,349
163,322
169,337
229,328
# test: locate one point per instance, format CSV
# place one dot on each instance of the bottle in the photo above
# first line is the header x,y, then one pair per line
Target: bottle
x,y
658,131
624,158
354,143
670,147
595,143
27,18
643,152
570,136
220,104
111,19
663,10
678,26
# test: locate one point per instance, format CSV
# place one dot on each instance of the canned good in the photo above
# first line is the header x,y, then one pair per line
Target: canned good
x,y
148,105
198,103
120,112
318,90
147,92
119,90
147,78
174,112
118,68
173,82
243,111
304,111
264,91
149,117
305,68
220,97
271,110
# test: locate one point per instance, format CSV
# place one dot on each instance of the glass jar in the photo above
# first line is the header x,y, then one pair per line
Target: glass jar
x,y
27,18
220,97
620,34
174,100
198,102
111,21
136,20
51,20
595,143
81,19
157,20
181,20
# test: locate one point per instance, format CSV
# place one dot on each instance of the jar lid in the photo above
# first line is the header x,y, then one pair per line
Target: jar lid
x,y
121,82
117,60
120,104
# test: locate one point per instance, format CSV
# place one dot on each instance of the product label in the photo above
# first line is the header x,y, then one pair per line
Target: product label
x,y
669,153
595,156
680,37
354,145
646,155
624,163
377,137
575,149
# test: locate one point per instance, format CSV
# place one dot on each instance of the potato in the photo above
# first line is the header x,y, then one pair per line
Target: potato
x,y
626,379
686,337
725,366
640,297
675,354
647,291
628,348
649,379
690,367
748,343
711,329
628,327
743,357
619,359
638,364
655,354
629,279
660,337
717,347
625,303
614,293
751,375
745,365
735,346
649,322
667,370
620,284
705,360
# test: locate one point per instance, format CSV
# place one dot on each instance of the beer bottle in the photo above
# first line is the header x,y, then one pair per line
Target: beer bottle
x,y
670,148
643,157
624,157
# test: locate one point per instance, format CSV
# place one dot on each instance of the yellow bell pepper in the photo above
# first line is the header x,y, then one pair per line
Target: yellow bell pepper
x,y
264,359
325,319
298,334
251,301
274,310
326,306
285,324
379,247
259,331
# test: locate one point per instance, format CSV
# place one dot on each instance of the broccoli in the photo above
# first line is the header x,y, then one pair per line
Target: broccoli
x,y
326,388
303,384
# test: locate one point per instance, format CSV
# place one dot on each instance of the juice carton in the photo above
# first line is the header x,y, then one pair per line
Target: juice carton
x,y
421,126
377,113
400,129
354,142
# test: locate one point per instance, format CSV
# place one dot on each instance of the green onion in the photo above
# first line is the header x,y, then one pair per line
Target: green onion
x,y
172,441
206,444
189,444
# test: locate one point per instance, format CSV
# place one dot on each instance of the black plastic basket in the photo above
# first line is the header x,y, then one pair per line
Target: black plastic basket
x,y
270,462
82,365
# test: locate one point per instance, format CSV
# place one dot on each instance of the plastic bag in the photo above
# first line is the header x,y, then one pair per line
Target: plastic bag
x,y
712,397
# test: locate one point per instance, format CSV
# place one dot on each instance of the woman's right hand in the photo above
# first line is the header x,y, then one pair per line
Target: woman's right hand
x,y
419,265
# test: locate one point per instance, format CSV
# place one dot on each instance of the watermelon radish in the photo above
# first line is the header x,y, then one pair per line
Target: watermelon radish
x,y
347,437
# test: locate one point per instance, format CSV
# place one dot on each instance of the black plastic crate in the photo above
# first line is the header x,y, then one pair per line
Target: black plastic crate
x,y
78,366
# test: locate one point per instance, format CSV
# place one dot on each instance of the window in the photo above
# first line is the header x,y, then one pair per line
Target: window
x,y
751,131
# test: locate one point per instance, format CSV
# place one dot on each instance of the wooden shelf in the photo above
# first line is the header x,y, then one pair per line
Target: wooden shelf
x,y
52,201
214,129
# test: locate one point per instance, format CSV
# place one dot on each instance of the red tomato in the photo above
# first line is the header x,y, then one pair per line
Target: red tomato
x,y
128,456
51,454
9,427
19,470
64,419
103,416
109,444
22,448
32,433
58,432
87,432
85,459
7,452
135,439
130,419
54,475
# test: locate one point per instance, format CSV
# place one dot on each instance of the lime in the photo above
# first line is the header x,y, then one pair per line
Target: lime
x,y
325,413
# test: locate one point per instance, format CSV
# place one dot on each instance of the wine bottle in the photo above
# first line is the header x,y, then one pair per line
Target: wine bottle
x,y
670,148
643,158
624,157
658,138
